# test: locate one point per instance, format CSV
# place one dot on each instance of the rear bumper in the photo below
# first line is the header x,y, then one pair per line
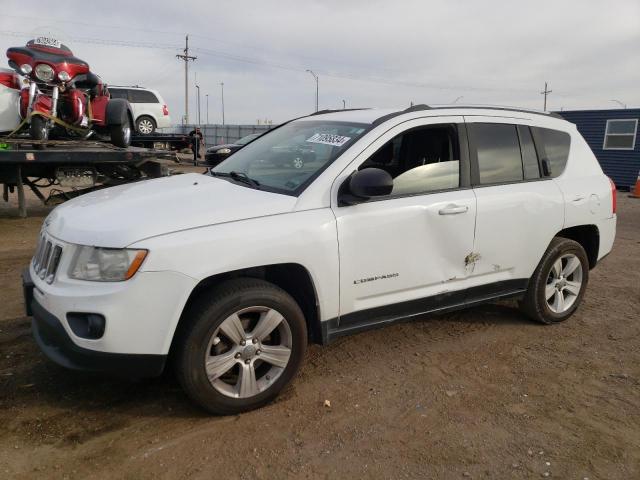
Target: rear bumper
x,y
607,231
54,341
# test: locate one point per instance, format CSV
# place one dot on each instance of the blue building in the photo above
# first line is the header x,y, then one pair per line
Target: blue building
x,y
613,137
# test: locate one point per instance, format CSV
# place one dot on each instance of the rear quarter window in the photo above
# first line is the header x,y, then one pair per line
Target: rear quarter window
x,y
142,96
553,145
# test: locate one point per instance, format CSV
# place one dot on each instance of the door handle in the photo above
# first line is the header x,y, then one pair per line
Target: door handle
x,y
453,209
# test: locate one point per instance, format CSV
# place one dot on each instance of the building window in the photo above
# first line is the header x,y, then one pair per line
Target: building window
x,y
620,134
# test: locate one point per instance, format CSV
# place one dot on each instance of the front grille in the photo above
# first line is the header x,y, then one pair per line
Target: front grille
x,y
47,258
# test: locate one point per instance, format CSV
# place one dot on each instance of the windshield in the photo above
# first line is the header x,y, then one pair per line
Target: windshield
x,y
247,139
288,157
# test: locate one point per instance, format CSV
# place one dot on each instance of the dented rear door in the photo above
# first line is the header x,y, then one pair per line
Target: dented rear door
x,y
516,219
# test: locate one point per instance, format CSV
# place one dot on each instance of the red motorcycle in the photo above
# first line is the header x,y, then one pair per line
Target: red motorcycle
x,y
64,96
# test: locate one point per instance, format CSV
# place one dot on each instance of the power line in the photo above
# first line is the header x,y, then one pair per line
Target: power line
x,y
289,67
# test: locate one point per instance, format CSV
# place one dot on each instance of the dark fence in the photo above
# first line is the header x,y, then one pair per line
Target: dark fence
x,y
218,134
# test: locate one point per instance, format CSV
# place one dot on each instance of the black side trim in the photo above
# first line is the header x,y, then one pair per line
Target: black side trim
x,y
56,344
381,316
27,291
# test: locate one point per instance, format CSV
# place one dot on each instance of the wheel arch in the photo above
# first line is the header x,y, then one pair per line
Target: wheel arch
x,y
293,278
586,235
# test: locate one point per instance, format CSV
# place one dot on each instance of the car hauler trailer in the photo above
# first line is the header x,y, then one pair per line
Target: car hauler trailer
x,y
72,166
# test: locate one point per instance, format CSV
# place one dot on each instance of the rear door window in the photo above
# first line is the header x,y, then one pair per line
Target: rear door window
x,y
142,96
553,146
497,151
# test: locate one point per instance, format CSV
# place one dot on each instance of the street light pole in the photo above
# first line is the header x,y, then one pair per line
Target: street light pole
x,y
344,104
207,95
222,87
623,105
198,88
316,78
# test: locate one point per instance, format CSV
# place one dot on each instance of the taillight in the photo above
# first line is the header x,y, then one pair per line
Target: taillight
x,y
165,110
614,197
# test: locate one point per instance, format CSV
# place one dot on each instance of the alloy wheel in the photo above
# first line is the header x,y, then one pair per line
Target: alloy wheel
x,y
248,352
563,283
145,126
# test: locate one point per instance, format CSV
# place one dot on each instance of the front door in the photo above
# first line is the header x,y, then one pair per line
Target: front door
x,y
400,252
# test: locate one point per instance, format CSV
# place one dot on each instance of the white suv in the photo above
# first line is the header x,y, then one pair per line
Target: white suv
x,y
150,111
399,213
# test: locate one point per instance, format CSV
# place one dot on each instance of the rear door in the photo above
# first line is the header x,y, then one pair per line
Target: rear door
x,y
145,102
519,209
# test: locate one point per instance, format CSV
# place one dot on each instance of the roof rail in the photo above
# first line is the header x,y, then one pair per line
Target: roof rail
x,y
415,108
322,112
412,108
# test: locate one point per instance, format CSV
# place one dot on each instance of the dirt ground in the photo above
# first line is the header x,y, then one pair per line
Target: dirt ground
x,y
477,394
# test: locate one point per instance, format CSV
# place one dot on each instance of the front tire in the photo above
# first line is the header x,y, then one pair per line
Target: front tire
x,y
558,284
240,345
39,129
121,134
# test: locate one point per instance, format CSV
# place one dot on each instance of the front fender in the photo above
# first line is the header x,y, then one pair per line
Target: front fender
x,y
305,238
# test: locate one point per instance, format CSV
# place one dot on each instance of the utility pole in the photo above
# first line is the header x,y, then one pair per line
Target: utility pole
x,y
545,92
316,77
186,57
207,95
222,96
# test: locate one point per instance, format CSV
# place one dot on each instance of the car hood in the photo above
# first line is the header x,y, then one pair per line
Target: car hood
x,y
119,216
226,145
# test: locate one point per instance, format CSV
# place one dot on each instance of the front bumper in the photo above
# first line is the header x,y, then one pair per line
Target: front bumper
x,y
55,342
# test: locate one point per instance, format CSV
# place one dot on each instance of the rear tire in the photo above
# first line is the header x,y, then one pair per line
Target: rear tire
x,y
225,361
145,125
558,283
121,134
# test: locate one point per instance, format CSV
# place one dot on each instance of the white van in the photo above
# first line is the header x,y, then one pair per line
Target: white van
x,y
149,108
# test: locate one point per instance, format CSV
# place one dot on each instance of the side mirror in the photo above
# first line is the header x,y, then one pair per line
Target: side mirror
x,y
364,184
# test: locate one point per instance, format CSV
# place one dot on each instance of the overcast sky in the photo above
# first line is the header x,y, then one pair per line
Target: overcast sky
x,y
367,52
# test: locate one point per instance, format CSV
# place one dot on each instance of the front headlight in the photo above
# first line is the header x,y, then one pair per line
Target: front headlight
x,y
106,264
44,72
25,68
223,151
64,76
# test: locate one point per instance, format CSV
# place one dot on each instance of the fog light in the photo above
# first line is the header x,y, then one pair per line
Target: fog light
x,y
87,325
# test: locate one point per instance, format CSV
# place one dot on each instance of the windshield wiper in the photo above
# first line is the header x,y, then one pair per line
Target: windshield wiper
x,y
237,176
